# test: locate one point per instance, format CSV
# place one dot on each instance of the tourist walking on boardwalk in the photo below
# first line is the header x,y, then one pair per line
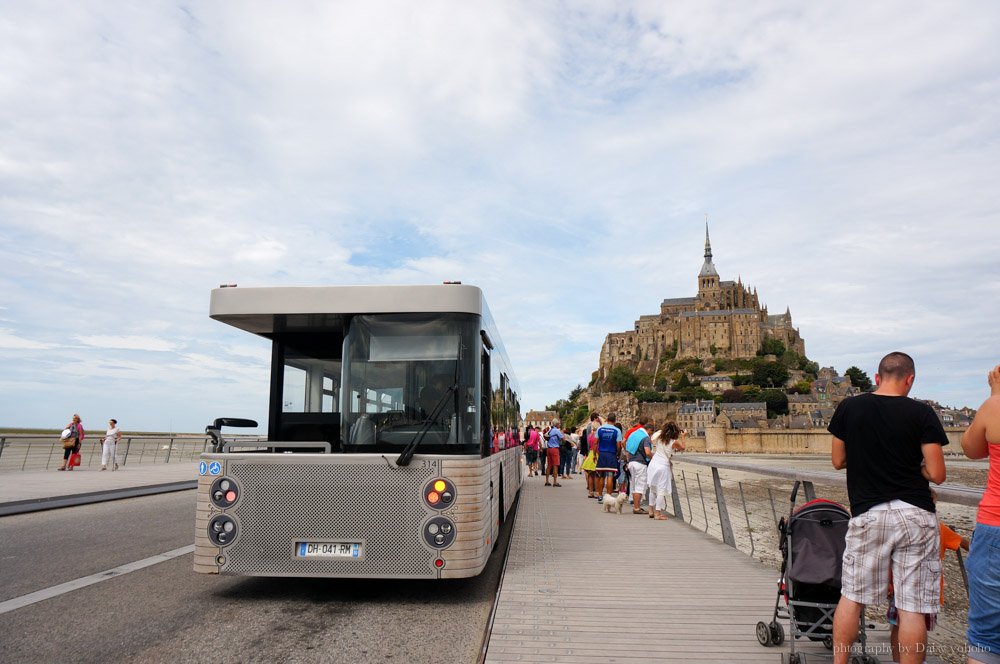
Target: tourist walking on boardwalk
x,y
589,438
609,438
574,454
981,441
891,447
76,434
639,451
565,455
110,448
543,452
668,440
553,441
531,440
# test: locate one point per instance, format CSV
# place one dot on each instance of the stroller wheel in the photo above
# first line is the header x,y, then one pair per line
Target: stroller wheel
x,y
828,642
763,634
777,633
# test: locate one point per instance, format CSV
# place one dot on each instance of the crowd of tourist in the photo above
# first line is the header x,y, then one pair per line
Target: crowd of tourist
x,y
612,459
891,448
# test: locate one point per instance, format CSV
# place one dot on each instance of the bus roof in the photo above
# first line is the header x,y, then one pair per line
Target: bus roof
x,y
256,309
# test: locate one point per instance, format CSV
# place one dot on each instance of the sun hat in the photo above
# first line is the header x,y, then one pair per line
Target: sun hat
x,y
65,434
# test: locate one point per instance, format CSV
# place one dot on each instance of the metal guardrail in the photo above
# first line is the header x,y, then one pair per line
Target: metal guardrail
x,y
41,452
707,503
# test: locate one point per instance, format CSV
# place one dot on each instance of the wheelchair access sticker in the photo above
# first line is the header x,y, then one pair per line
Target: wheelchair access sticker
x,y
214,468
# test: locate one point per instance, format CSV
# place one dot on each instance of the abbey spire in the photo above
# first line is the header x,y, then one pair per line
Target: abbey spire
x,y
708,268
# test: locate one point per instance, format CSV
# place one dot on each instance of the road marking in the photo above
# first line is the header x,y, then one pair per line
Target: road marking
x,y
83,582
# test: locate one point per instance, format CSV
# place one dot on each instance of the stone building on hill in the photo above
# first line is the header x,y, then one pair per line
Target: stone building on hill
x,y
724,320
694,417
539,419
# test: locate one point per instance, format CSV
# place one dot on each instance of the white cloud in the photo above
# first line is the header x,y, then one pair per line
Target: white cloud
x,y
11,341
149,344
562,158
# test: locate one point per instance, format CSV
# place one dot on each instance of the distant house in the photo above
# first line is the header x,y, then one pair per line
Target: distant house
x,y
717,384
540,419
800,421
694,417
740,421
756,410
803,404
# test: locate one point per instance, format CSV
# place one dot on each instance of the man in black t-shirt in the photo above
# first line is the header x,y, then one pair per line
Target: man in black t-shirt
x,y
891,447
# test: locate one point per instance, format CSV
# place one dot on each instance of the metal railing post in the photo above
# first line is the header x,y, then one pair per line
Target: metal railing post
x,y
687,495
704,510
170,448
961,567
128,444
746,513
774,512
27,452
809,490
3,443
675,497
720,503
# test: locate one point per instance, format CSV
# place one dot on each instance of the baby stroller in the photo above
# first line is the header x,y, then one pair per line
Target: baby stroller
x,y
812,542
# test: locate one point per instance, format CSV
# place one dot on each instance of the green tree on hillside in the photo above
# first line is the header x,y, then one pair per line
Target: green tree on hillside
x,y
859,379
771,346
682,383
769,374
733,396
801,387
777,402
622,379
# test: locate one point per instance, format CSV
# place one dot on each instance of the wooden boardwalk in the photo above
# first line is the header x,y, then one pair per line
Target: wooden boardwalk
x,y
585,586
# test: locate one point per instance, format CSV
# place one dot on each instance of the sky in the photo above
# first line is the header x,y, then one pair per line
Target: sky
x,y
563,156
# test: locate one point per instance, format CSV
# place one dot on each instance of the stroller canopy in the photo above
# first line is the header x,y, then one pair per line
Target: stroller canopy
x,y
816,535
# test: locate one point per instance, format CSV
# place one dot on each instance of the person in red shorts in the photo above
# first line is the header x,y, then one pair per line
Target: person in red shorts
x,y
553,440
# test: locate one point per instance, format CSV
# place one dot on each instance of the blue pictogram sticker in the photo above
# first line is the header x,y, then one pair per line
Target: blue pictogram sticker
x,y
214,468
202,468
302,549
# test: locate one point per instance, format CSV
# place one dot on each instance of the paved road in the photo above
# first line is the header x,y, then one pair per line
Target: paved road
x,y
167,613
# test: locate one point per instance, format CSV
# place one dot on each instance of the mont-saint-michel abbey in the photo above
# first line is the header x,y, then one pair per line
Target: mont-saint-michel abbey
x,y
725,319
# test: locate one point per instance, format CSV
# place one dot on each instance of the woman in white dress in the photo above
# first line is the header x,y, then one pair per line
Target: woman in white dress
x,y
668,441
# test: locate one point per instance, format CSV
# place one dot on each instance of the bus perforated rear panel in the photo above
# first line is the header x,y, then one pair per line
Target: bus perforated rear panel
x,y
375,502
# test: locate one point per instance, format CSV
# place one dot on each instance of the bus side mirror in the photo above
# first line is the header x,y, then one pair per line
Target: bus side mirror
x,y
214,430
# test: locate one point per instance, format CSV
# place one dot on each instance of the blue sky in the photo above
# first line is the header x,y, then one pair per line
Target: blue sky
x,y
562,156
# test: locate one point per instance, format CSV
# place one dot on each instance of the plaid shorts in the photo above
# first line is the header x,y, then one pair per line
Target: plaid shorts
x,y
909,540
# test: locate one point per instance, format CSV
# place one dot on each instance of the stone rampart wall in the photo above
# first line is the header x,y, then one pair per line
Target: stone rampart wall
x,y
628,408
783,441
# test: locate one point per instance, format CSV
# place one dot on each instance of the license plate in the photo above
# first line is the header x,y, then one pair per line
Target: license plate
x,y
327,549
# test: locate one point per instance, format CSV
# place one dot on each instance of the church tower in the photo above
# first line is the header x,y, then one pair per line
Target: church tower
x,y
709,292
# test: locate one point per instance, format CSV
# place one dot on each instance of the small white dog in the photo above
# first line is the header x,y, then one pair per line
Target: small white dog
x,y
609,503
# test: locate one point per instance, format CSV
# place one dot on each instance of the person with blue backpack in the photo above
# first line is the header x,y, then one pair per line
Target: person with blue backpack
x,y
640,451
609,439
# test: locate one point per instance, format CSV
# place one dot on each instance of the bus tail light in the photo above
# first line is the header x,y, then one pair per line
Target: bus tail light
x,y
439,532
222,530
440,494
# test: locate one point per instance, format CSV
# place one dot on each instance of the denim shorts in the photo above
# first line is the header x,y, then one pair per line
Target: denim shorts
x,y
983,568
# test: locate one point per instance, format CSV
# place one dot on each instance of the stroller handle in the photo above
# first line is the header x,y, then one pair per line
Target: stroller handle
x,y
795,490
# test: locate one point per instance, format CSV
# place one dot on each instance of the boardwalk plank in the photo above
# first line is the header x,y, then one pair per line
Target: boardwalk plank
x,y
586,587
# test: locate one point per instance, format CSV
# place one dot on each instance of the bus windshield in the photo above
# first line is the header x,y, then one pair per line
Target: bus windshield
x,y
410,375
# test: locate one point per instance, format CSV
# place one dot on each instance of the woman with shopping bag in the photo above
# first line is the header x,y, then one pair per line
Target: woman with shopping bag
x,y
72,440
